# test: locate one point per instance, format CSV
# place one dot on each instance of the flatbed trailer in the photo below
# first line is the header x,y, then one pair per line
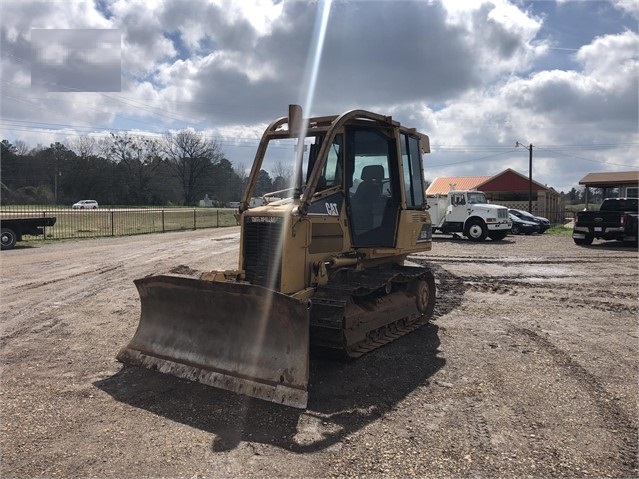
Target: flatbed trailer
x,y
14,228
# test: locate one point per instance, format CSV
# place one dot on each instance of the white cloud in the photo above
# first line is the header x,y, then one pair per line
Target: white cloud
x,y
466,73
261,15
611,55
631,7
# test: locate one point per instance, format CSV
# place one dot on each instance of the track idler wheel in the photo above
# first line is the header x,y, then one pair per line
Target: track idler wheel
x,y
424,291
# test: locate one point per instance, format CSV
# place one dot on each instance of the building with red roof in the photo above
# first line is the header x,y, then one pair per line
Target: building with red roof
x,y
508,188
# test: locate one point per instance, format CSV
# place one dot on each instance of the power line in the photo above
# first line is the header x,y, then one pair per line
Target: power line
x,y
511,150
568,147
253,142
596,147
584,159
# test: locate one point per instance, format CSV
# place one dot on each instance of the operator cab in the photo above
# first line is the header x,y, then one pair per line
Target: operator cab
x,y
362,168
373,182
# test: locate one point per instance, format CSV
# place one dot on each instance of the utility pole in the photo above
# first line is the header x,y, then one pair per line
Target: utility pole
x,y
530,155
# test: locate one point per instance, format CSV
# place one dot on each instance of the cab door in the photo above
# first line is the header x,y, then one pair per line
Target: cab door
x,y
458,209
372,189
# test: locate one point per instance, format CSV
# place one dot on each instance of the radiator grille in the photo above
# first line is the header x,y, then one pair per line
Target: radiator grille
x,y
262,259
418,217
502,213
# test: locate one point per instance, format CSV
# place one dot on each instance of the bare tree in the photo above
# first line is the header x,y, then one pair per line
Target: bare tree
x,y
137,155
282,176
103,147
242,174
84,146
283,171
191,156
21,148
130,149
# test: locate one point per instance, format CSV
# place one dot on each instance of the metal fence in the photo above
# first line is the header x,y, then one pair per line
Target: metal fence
x,y
121,221
124,221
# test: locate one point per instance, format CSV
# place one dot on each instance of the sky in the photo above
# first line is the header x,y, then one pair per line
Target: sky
x,y
477,76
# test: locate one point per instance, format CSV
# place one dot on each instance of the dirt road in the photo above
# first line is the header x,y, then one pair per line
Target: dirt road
x,y
530,369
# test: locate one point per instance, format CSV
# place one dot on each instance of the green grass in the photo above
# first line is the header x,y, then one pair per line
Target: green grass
x,y
559,230
121,222
582,206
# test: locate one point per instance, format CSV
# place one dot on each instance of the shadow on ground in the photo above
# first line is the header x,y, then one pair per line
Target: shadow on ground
x,y
344,396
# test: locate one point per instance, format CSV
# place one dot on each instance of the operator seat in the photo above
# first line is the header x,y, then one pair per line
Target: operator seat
x,y
370,189
368,198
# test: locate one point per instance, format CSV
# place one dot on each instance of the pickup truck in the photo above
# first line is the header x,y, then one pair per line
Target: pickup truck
x,y
14,228
615,220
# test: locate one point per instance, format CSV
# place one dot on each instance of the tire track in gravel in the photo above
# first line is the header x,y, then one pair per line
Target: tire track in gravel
x,y
21,288
506,260
626,432
542,281
589,296
594,294
32,291
453,286
477,426
530,428
23,313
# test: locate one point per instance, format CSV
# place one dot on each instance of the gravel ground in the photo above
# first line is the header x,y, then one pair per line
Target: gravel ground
x,y
529,369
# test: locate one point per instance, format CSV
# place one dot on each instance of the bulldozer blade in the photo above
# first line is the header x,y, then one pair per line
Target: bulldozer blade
x,y
235,336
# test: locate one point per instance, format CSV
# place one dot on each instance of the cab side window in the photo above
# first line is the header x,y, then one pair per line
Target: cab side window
x,y
413,174
332,174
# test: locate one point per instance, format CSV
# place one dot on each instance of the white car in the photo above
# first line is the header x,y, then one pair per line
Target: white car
x,y
85,204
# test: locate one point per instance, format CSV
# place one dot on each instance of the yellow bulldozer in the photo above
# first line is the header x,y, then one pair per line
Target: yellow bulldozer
x,y
321,270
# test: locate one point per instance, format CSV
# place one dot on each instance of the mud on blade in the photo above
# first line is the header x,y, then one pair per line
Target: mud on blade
x,y
234,336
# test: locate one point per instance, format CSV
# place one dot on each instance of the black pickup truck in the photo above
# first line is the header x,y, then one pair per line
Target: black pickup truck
x,y
14,228
615,220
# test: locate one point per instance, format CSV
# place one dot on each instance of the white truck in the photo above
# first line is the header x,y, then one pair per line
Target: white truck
x,y
467,212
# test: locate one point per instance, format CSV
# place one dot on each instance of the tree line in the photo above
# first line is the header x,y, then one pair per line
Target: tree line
x,y
577,196
125,169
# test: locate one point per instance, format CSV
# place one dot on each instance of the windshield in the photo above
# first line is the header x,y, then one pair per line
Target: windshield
x,y
620,204
476,198
281,156
526,214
